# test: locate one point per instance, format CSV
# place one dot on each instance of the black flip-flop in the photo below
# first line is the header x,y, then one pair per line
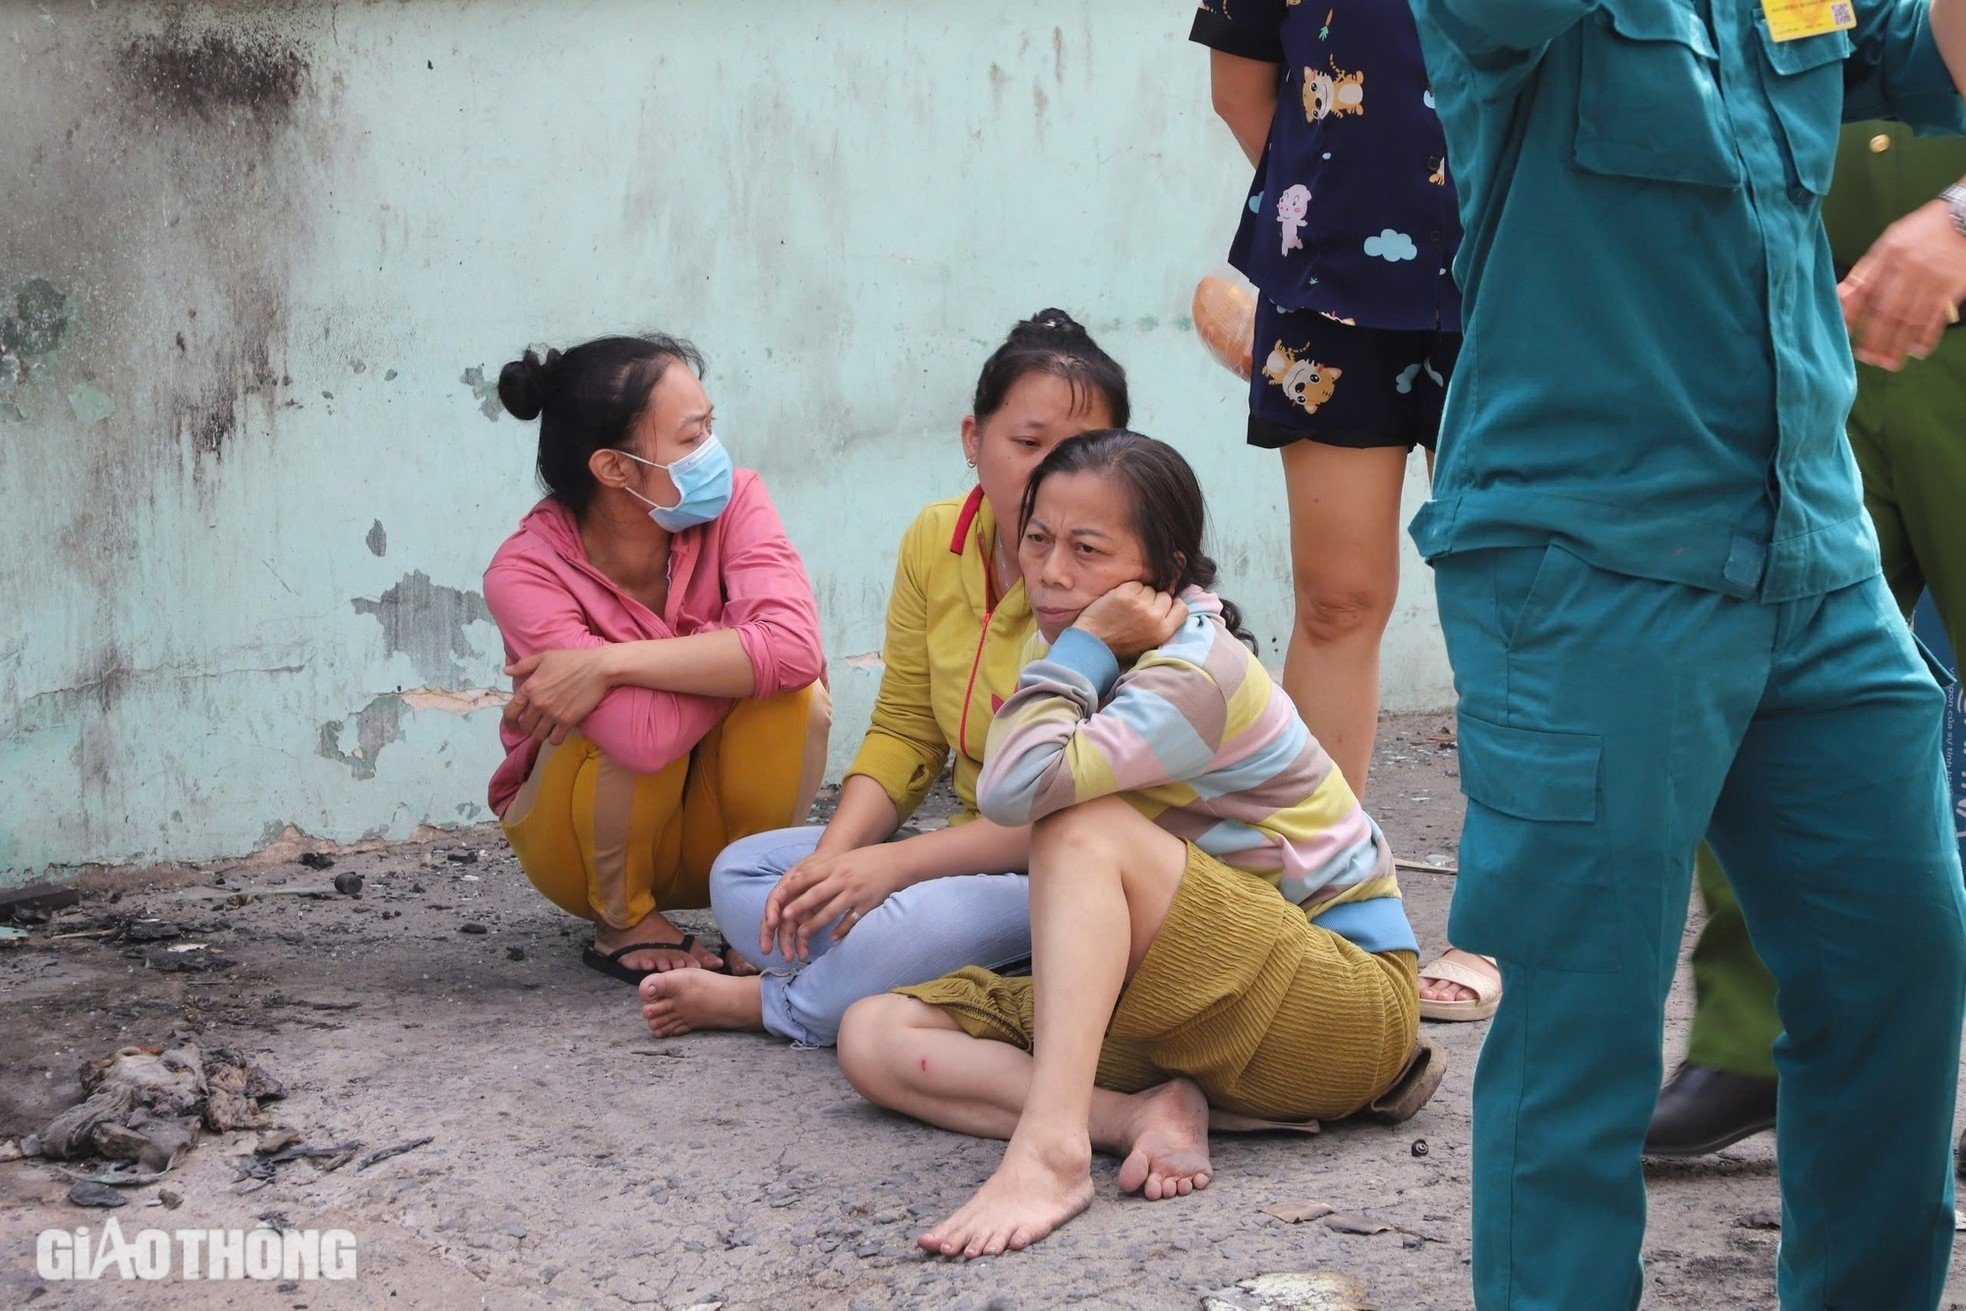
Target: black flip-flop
x,y
731,960
609,963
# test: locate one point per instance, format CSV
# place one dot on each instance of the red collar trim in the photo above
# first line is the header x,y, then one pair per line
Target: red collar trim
x,y
963,520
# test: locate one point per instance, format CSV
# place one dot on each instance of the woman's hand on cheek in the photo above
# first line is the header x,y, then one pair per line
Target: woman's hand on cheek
x,y
1133,618
821,889
559,690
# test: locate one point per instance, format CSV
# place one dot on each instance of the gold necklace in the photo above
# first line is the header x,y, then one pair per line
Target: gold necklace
x,y
1007,573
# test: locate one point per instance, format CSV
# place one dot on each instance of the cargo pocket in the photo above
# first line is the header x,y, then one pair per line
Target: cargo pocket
x,y
1529,890
1648,102
1946,678
1805,83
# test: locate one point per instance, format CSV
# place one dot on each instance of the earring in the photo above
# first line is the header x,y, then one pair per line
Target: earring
x,y
970,463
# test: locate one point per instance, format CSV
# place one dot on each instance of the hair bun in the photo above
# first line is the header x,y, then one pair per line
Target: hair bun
x,y
1050,324
522,384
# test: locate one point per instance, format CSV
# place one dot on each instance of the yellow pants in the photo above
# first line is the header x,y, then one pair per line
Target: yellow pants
x,y
610,845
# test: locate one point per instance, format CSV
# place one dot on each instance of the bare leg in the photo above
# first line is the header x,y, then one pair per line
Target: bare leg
x,y
1344,550
912,1057
1102,880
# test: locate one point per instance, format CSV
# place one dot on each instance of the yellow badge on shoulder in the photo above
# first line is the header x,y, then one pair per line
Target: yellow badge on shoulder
x,y
1791,20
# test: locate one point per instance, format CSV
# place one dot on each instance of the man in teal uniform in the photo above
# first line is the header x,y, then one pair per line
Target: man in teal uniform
x,y
1661,597
1908,430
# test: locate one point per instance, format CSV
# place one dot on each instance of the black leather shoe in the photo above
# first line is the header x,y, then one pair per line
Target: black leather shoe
x,y
1702,1110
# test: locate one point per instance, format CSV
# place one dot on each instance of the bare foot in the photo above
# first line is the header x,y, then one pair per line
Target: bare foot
x,y
684,1000
1035,1189
1165,1142
1432,989
654,928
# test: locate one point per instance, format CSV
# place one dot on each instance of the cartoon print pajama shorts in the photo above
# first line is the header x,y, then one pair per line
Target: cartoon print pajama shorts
x,y
1318,379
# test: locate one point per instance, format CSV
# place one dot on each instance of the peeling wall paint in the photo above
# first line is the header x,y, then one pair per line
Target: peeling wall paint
x,y
374,727
90,404
29,336
260,264
485,390
428,622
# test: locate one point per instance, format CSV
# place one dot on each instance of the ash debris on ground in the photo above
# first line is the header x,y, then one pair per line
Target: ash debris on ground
x,y
544,1133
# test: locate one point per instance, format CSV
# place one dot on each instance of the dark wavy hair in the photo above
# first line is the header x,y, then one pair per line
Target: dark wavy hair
x,y
1051,341
1169,514
586,400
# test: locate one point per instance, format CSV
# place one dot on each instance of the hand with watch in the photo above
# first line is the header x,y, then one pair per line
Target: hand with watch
x,y
1907,288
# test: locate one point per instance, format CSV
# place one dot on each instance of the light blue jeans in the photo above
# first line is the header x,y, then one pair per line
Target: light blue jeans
x,y
919,933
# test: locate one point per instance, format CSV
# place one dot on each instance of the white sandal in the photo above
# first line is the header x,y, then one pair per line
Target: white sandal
x,y
1487,990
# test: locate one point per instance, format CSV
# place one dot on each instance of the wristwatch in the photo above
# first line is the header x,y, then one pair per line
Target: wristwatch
x,y
1955,199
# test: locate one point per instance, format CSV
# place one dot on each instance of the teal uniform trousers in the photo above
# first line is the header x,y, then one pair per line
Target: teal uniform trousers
x,y
1802,739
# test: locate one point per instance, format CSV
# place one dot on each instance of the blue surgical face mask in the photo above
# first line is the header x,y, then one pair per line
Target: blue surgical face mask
x,y
702,481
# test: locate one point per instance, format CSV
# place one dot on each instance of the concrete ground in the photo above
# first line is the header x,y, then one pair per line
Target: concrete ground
x,y
576,1161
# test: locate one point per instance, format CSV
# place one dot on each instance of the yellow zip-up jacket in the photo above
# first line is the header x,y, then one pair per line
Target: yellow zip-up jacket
x,y
951,659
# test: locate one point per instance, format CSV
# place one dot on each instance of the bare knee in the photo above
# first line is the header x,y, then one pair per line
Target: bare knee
x,y
876,1035
1333,610
1087,831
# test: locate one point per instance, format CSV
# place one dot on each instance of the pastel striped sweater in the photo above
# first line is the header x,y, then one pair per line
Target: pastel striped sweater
x,y
1197,737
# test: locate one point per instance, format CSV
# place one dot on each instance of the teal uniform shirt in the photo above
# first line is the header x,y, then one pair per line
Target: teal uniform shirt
x,y
1656,372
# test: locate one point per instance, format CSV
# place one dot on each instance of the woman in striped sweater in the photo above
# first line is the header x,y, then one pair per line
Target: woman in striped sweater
x,y
1175,794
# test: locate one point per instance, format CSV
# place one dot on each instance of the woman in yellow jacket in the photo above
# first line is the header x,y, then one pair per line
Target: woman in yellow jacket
x,y
836,914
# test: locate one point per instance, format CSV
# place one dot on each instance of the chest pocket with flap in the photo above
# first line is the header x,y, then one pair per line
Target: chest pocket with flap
x,y
1805,86
1648,98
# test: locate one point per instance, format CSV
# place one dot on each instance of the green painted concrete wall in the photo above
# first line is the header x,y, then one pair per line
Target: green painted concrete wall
x,y
257,263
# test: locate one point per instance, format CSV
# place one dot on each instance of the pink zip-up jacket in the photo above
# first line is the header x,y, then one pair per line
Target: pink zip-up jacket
x,y
739,572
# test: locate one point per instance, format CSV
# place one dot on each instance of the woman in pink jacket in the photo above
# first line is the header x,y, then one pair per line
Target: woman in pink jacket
x,y
664,644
